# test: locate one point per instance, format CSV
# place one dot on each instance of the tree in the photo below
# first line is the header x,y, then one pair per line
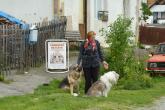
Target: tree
x,y
121,56
118,35
145,11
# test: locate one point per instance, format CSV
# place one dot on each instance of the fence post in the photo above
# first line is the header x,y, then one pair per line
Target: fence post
x,y
16,50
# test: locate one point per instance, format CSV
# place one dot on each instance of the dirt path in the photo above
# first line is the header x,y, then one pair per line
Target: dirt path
x,y
26,83
157,105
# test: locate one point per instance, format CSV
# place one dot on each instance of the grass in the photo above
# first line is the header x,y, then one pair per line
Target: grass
x,y
52,98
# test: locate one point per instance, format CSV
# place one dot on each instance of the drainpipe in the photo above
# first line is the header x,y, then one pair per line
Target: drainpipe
x,y
85,17
137,21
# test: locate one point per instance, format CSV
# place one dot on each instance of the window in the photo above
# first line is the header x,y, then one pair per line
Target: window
x,y
100,6
103,15
159,15
163,15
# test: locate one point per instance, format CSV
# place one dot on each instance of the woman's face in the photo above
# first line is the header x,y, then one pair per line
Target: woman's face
x,y
91,35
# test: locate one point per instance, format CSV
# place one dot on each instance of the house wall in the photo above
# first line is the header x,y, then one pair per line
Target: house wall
x,y
134,14
115,8
93,24
158,14
81,15
73,9
29,11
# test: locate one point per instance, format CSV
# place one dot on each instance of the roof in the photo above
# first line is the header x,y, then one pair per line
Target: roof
x,y
12,19
158,8
149,2
158,2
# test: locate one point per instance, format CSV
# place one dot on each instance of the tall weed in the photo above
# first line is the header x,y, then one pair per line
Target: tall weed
x,y
121,56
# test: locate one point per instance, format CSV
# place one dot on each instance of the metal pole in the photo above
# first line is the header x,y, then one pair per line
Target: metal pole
x,y
85,17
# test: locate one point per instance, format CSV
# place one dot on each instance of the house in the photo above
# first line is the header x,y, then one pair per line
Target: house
x,y
153,32
158,12
150,2
82,15
112,9
97,14
30,11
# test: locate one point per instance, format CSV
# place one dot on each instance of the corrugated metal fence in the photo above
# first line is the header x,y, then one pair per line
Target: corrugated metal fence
x,y
151,35
17,52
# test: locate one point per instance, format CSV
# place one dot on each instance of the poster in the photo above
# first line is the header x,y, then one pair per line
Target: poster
x,y
57,55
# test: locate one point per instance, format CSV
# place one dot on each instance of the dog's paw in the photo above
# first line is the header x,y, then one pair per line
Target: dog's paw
x,y
75,94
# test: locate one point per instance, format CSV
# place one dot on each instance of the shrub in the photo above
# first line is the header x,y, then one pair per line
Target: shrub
x,y
1,78
131,84
142,82
121,55
146,81
118,35
145,11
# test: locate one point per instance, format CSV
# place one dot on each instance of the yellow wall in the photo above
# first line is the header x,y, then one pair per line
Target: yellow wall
x,y
58,7
81,18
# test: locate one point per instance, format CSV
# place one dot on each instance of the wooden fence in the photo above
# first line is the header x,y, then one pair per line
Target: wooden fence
x,y
17,52
151,35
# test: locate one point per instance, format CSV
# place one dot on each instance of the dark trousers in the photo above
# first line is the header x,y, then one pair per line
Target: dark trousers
x,y
91,75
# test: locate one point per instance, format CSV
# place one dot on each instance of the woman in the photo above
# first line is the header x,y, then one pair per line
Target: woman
x,y
91,56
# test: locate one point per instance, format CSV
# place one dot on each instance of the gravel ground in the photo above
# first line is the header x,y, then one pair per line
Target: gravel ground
x,y
157,105
26,83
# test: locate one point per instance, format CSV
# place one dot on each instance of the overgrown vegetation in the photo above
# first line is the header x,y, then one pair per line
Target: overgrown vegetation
x,y
1,77
145,11
121,56
1,66
52,98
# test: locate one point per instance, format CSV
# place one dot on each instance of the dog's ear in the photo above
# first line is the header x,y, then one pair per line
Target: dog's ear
x,y
73,67
116,75
79,69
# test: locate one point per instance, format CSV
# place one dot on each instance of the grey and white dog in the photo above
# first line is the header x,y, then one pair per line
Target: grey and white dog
x,y
103,85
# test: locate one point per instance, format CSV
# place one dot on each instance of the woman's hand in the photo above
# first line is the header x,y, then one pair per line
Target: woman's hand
x,y
105,65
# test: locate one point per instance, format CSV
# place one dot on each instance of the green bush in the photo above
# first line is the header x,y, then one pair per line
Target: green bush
x,y
118,35
146,12
146,81
140,46
121,56
142,82
131,84
136,76
1,78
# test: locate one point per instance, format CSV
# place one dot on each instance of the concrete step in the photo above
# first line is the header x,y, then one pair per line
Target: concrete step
x,y
72,35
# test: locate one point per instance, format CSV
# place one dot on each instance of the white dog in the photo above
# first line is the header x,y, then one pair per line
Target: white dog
x,y
103,86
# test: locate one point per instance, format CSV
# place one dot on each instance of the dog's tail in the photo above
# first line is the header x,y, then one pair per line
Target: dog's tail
x,y
64,83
